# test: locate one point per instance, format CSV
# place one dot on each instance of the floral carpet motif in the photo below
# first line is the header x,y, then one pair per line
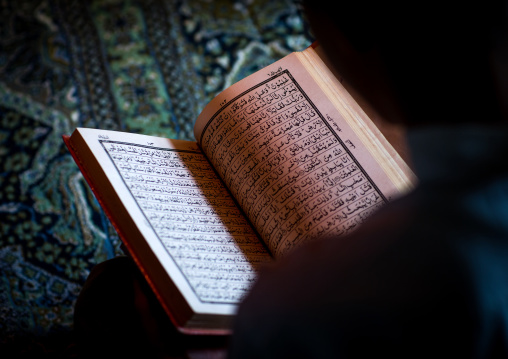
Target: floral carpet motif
x,y
138,66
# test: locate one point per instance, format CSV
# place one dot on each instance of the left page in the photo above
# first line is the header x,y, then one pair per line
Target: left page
x,y
184,215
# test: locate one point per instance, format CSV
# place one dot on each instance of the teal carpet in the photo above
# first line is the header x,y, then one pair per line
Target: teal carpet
x,y
137,66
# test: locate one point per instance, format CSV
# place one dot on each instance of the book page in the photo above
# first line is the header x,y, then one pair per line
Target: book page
x,y
184,212
291,160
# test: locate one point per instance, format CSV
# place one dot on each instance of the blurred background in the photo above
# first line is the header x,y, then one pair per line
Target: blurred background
x,y
138,66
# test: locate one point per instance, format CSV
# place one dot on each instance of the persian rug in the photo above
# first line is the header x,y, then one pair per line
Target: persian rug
x,y
139,66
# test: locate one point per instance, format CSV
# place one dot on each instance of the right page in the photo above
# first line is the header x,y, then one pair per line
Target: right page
x,y
299,155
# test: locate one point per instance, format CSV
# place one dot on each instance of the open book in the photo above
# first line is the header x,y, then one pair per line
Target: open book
x,y
282,157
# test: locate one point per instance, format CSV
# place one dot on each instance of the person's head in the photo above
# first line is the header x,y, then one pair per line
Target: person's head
x,y
420,63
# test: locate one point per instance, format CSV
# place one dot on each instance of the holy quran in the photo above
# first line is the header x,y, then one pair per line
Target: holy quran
x,y
283,156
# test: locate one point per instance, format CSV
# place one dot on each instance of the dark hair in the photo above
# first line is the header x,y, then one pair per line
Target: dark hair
x,y
444,59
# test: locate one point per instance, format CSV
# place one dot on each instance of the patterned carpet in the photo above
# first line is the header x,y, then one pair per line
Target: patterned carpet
x,y
137,66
